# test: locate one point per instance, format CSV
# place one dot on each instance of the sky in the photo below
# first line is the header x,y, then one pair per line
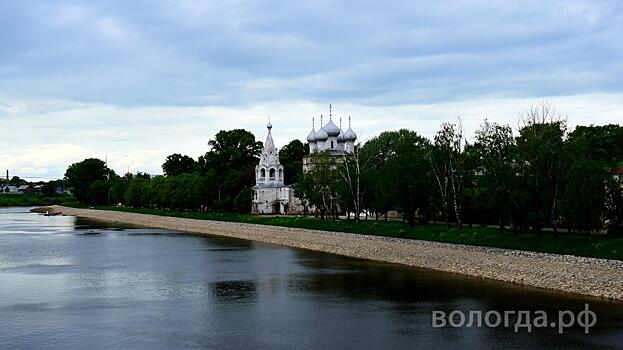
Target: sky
x,y
135,81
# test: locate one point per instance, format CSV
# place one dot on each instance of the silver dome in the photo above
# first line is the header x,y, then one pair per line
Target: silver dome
x,y
312,136
340,137
350,135
331,129
322,135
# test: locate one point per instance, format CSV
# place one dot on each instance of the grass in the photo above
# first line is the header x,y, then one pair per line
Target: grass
x,y
589,246
31,199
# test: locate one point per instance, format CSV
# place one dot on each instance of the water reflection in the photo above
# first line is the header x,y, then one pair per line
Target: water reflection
x,y
233,290
77,283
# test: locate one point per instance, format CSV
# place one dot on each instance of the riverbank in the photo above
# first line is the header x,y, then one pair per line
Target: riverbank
x,y
587,245
587,276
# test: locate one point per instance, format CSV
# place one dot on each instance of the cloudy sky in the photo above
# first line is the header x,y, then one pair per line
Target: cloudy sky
x,y
137,80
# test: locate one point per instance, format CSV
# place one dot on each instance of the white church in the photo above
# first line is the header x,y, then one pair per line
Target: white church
x,y
270,194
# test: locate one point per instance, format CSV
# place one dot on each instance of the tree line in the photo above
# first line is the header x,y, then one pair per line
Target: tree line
x,y
540,175
221,179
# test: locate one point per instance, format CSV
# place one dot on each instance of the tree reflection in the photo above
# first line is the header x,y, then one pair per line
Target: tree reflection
x,y
233,290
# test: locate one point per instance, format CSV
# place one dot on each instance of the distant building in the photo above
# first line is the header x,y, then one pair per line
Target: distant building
x,y
24,189
270,195
330,139
9,189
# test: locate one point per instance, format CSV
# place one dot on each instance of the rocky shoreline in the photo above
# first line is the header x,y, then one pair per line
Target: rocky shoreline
x,y
587,276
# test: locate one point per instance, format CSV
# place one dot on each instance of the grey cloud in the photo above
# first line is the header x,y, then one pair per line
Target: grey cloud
x,y
194,52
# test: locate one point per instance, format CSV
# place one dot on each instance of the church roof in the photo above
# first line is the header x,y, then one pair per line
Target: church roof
x,y
350,135
269,138
270,156
311,137
340,137
331,129
322,135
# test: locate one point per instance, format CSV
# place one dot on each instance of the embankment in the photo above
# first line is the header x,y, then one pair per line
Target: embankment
x,y
588,276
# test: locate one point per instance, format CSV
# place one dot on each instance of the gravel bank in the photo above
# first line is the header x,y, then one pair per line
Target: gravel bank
x,y
587,276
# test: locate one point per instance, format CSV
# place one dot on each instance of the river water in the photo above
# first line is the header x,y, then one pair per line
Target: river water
x,y
72,283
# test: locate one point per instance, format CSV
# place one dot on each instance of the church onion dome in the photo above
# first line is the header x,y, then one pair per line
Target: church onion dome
x,y
322,135
331,129
340,137
350,135
312,136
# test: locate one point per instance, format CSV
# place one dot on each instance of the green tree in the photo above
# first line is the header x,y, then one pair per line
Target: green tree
x,y
541,152
231,162
380,150
495,148
231,151
242,201
291,157
48,188
446,160
118,187
132,195
177,164
603,143
353,171
80,176
17,181
317,188
593,151
97,194
584,199
401,176
470,189
410,170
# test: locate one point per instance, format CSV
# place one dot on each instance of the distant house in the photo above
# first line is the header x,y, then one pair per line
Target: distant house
x,y
24,189
9,189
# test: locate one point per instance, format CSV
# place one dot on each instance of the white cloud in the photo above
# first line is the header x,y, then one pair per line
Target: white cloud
x,y
44,142
40,161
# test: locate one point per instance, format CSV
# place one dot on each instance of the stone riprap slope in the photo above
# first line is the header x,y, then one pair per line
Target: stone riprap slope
x,y
587,276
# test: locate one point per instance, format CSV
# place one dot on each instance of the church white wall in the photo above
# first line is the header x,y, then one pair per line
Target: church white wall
x,y
349,147
331,143
272,200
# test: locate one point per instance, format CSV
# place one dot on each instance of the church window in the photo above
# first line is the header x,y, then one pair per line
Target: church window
x,y
263,172
331,144
280,174
271,173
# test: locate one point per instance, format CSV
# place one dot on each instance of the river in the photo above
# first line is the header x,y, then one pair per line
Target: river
x,y
73,283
